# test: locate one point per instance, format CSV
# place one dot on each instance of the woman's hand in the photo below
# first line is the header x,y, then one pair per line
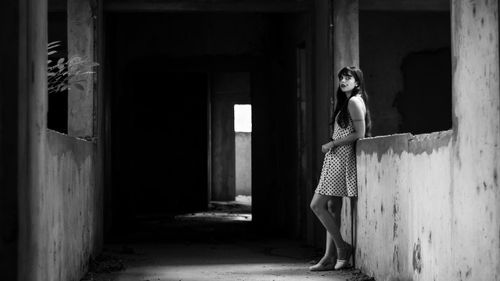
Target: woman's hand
x,y
327,146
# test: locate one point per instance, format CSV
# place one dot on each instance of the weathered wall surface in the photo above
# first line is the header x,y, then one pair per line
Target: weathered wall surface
x,y
428,207
71,213
403,205
476,109
65,214
59,190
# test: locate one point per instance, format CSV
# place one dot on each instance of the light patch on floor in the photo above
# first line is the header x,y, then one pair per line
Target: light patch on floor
x,y
239,210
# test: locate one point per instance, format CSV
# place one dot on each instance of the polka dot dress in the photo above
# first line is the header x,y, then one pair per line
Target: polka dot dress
x,y
338,176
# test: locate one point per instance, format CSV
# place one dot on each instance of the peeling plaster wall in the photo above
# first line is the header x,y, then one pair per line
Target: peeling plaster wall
x,y
403,208
65,213
475,187
428,207
72,215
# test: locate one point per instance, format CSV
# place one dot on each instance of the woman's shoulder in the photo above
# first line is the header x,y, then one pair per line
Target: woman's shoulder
x,y
356,103
356,100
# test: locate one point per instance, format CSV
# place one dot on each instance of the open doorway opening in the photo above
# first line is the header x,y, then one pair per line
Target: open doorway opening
x,y
231,144
243,153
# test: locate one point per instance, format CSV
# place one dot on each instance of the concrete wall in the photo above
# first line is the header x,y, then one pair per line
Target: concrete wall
x,y
430,202
59,177
71,215
243,163
403,205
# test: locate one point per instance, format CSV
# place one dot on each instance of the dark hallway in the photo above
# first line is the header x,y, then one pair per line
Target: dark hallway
x,y
159,142
173,89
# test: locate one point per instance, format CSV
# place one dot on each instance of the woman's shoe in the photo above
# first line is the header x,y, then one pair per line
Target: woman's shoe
x,y
344,262
322,267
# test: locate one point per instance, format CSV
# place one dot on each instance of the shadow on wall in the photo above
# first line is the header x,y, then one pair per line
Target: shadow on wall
x,y
424,104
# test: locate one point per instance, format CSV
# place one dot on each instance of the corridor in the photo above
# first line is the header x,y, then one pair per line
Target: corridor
x,y
215,245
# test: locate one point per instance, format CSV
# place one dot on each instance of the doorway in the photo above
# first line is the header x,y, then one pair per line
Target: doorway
x,y
231,143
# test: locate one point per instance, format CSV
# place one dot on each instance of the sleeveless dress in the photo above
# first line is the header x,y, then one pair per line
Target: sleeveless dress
x,y
339,175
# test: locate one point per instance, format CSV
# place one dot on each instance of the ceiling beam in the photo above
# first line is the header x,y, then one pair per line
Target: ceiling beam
x,y
405,5
260,6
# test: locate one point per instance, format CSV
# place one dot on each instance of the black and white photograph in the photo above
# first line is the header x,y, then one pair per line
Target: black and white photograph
x,y
249,140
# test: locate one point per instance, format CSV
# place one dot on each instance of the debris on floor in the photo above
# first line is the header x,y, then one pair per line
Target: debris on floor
x,y
104,263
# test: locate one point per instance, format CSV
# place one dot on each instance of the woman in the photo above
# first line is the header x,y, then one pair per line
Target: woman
x,y
351,121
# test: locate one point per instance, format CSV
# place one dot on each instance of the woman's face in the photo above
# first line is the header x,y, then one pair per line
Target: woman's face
x,y
347,83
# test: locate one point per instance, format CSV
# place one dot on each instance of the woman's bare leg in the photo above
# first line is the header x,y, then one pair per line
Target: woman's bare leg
x,y
330,249
324,206
335,208
319,206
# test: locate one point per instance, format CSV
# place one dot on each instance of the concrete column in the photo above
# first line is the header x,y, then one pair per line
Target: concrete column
x,y
321,104
475,187
345,53
81,20
32,114
223,154
345,35
11,31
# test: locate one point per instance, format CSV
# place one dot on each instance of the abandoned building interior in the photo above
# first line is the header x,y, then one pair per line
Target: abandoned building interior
x,y
151,132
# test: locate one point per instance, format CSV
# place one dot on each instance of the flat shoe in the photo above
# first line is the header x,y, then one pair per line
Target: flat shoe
x,y
342,264
322,267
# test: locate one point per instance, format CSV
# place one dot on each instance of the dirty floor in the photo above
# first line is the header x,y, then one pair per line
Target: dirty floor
x,y
215,245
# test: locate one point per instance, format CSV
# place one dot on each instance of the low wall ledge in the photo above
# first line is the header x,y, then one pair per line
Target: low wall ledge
x,y
398,143
427,143
59,144
380,145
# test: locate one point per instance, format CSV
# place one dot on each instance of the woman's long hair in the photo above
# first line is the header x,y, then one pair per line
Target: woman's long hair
x,y
343,101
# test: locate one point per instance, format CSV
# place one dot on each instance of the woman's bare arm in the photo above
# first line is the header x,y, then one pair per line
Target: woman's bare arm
x,y
357,111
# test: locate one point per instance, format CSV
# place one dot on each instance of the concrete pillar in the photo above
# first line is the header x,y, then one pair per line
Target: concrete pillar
x,y
32,114
321,104
81,21
223,154
345,35
11,73
475,187
345,53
